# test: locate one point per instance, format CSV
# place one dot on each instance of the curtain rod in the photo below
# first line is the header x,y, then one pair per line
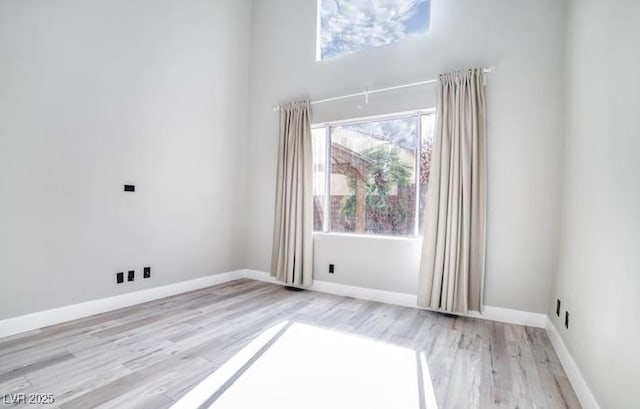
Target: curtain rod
x,y
366,93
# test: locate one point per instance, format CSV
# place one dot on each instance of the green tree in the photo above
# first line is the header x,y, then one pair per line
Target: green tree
x,y
386,212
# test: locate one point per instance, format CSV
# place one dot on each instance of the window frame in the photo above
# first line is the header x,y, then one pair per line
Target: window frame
x,y
327,125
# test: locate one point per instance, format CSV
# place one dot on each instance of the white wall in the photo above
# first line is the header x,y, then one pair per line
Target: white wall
x,y
522,38
598,276
95,94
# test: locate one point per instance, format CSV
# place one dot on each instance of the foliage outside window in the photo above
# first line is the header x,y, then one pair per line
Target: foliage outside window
x,y
375,173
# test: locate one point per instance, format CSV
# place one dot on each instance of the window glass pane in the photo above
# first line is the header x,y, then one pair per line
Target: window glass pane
x,y
426,148
319,148
373,179
348,26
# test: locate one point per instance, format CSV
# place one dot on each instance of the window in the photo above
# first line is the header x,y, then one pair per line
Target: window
x,y
347,26
370,176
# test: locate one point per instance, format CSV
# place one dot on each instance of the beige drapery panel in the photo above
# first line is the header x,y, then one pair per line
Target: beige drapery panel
x,y
453,250
292,257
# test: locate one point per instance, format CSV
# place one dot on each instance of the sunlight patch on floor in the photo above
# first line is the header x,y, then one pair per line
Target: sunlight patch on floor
x,y
300,366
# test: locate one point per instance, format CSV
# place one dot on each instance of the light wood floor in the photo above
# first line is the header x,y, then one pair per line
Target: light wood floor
x,y
149,355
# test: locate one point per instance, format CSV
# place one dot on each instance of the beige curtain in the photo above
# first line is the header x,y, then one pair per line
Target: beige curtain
x,y
292,258
453,251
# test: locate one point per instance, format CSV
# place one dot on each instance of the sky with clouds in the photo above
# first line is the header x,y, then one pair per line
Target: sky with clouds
x,y
401,131
348,26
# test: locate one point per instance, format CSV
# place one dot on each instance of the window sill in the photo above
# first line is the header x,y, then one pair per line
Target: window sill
x,y
367,236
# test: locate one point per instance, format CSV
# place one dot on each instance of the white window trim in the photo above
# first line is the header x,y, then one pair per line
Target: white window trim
x,y
372,118
318,31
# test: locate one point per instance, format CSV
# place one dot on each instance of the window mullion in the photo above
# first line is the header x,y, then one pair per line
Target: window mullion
x,y
327,180
416,221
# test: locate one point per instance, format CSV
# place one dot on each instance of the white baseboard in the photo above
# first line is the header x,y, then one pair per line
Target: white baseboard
x,y
574,374
24,323
327,287
506,315
530,319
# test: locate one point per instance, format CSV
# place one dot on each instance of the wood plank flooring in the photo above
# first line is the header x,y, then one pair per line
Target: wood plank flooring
x,y
149,355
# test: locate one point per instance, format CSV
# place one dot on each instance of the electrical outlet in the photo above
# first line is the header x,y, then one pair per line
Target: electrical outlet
x,y
558,307
120,278
147,272
131,275
331,269
566,319
129,188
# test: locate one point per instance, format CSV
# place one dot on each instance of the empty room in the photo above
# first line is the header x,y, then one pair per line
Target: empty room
x,y
320,204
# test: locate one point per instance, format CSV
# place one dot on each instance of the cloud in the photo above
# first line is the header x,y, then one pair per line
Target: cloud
x,y
354,25
402,131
